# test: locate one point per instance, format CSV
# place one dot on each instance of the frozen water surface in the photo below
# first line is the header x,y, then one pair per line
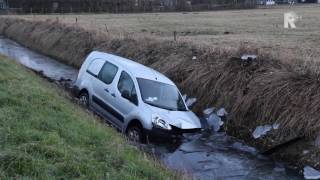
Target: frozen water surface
x,y
219,156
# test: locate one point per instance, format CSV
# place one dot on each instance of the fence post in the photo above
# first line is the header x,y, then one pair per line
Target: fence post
x,y
175,35
106,28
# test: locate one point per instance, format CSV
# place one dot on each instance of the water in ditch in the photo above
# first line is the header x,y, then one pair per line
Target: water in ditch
x,y
49,67
200,156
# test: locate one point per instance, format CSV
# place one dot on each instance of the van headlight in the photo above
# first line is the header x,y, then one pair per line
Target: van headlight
x,y
158,122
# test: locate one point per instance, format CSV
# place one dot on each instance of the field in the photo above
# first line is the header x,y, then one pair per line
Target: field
x,y
45,136
260,29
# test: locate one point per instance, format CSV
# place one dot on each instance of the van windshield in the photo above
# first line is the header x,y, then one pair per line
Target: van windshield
x,y
161,95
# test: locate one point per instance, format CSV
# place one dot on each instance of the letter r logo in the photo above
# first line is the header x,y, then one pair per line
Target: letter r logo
x,y
289,20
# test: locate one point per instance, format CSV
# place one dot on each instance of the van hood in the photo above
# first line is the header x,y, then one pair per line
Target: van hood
x,y
179,119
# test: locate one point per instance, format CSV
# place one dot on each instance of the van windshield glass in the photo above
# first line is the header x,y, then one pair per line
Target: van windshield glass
x,y
161,95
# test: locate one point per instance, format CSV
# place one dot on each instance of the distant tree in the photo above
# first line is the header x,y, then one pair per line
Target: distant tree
x,y
115,6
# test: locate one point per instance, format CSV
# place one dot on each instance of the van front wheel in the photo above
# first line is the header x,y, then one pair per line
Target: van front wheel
x,y
135,134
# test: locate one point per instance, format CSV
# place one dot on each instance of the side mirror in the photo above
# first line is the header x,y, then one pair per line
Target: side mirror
x,y
125,94
190,102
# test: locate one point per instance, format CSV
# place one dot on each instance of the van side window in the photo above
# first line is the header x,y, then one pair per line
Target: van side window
x,y
108,72
95,67
126,88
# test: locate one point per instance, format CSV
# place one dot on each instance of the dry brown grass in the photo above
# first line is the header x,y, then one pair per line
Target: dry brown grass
x,y
259,28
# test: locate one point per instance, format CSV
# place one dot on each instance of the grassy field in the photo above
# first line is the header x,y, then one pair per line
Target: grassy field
x,y
44,136
261,29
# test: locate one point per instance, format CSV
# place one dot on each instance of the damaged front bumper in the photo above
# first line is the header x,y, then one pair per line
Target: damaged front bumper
x,y
175,132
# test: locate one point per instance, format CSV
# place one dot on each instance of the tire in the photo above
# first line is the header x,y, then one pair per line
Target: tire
x,y
84,99
135,134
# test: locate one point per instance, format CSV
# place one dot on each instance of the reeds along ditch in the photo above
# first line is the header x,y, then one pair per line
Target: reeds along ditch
x,y
259,92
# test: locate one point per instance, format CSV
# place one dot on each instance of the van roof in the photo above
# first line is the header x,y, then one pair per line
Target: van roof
x,y
136,69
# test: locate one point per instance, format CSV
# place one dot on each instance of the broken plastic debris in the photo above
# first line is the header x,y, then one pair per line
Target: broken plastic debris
x,y
275,126
222,112
261,131
248,57
208,111
184,97
311,173
214,122
191,101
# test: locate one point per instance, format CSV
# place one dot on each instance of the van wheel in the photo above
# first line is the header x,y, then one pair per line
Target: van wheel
x,y
84,99
135,134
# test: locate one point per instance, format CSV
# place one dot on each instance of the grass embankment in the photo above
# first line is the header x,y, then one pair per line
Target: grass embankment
x,y
44,136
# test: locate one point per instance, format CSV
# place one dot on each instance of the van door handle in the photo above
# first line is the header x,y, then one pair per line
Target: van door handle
x,y
113,94
107,90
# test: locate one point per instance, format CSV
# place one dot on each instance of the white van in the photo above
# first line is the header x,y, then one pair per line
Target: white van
x,y
138,100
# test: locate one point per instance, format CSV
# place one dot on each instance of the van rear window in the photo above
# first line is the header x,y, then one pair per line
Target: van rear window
x,y
95,66
108,72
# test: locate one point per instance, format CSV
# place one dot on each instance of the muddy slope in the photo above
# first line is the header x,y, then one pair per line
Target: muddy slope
x,y
264,91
